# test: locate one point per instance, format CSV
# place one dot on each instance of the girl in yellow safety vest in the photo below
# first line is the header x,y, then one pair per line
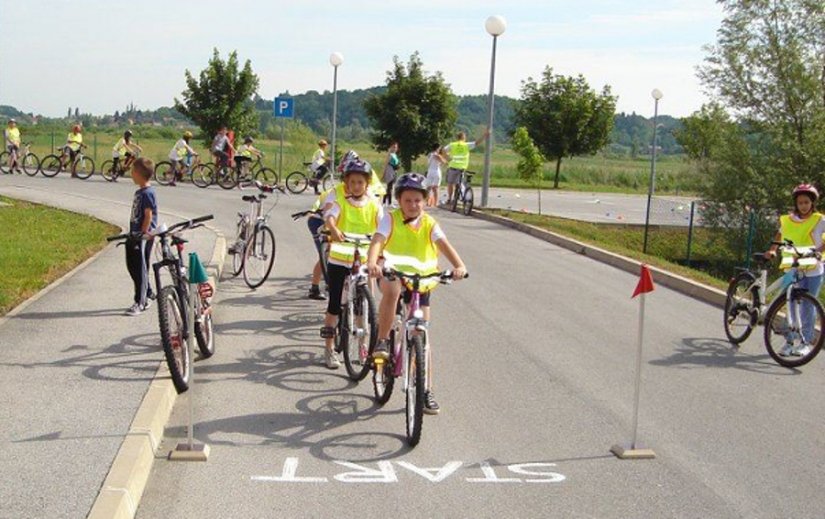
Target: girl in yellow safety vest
x,y
804,226
357,214
410,240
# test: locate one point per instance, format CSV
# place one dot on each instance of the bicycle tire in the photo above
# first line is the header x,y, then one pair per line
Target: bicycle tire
x,y
164,173
415,390
328,182
31,164
83,167
383,380
357,353
240,248
735,308
226,178
51,166
260,248
170,320
456,196
107,170
266,176
4,163
204,333
203,175
296,182
774,319
468,201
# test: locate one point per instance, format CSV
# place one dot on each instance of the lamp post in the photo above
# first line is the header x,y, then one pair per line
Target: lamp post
x,y
495,26
656,94
335,59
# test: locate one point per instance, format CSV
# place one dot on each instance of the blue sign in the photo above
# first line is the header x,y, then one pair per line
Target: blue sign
x,y
284,107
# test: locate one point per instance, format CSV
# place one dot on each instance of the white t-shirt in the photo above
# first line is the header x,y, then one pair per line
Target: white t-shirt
x,y
318,159
385,228
433,164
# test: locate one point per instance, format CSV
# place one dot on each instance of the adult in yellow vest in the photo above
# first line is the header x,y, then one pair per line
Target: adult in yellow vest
x,y
410,240
356,215
459,158
804,226
12,137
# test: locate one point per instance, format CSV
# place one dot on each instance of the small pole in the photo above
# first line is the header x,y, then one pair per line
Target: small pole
x,y
751,225
281,156
638,390
95,145
190,346
690,231
52,141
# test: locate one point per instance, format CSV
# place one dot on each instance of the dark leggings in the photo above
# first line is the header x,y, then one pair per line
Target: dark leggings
x,y
139,268
337,274
388,197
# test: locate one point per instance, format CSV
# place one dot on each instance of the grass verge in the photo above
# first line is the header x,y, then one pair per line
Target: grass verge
x,y
39,244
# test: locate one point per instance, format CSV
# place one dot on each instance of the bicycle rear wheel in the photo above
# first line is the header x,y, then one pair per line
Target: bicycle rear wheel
x,y
468,201
266,176
164,173
296,182
328,182
259,257
31,164
787,342
4,163
382,378
238,249
456,196
740,308
203,328
83,167
415,390
170,319
227,178
51,165
358,344
107,169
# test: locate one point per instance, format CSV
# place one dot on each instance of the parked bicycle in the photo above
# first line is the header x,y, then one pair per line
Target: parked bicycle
x,y
253,250
297,182
789,339
81,167
463,193
24,159
112,172
199,173
409,351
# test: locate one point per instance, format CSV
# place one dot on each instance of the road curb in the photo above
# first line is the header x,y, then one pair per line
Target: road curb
x,y
681,284
123,486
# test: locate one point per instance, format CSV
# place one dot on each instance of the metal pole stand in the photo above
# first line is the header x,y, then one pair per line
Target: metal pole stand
x,y
191,451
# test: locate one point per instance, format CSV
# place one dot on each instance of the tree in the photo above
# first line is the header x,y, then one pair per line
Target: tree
x,y
530,163
221,96
77,113
565,116
69,113
416,110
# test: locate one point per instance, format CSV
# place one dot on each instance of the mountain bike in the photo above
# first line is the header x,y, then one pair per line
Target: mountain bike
x,y
409,351
463,192
30,163
81,167
785,337
199,173
253,250
298,181
111,173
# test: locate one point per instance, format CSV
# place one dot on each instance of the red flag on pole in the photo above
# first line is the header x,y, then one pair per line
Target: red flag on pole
x,y
645,282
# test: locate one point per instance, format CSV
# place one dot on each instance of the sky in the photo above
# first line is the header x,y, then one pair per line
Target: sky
x,y
101,55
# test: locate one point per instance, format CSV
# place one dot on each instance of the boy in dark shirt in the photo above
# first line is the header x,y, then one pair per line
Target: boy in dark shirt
x,y
143,220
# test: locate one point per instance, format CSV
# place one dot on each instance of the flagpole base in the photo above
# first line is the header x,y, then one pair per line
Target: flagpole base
x,y
183,452
626,452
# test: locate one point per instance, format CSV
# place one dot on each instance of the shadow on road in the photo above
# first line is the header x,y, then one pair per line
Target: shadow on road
x,y
719,353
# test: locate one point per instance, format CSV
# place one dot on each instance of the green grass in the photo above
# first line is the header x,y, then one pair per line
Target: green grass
x,y
39,244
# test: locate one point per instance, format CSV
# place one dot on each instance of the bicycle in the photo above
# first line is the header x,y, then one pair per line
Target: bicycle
x,y
111,174
261,173
253,250
199,173
409,351
30,163
298,181
82,166
746,306
463,192
228,176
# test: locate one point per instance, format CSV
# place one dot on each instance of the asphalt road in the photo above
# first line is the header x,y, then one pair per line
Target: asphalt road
x,y
534,359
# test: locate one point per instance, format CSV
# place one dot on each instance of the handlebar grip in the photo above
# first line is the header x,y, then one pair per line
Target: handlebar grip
x,y
118,237
205,218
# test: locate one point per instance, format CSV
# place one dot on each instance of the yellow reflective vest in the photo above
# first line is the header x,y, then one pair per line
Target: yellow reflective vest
x,y
412,250
459,155
801,233
356,222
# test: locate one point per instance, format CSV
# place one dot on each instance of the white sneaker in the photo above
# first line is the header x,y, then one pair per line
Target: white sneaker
x,y
803,350
331,359
135,309
148,304
787,350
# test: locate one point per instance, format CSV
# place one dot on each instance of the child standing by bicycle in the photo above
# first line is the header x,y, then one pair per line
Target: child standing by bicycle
x,y
356,214
142,220
12,137
804,226
409,240
74,141
124,148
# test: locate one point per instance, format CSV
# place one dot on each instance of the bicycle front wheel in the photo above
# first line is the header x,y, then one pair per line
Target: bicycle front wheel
x,y
164,173
360,341
203,328
266,176
259,257
468,201
203,175
107,169
226,178
415,390
31,164
793,338
296,182
51,165
170,318
328,182
4,163
740,308
83,168
382,377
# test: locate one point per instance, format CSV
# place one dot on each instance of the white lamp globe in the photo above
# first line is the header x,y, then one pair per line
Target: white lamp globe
x,y
657,94
336,58
495,25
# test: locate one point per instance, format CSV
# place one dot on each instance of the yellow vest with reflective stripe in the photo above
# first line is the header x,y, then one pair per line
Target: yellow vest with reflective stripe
x,y
13,135
245,151
802,236
75,140
412,250
181,152
355,222
120,147
459,155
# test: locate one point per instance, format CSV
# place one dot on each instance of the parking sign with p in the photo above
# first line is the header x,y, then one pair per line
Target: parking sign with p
x,y
284,107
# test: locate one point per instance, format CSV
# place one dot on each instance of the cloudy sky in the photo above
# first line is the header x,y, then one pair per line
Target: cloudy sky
x,y
100,55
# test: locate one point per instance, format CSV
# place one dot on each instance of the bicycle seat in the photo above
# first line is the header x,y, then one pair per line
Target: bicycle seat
x,y
249,198
261,196
759,257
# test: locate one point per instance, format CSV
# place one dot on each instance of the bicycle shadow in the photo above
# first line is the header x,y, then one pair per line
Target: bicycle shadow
x,y
711,352
72,314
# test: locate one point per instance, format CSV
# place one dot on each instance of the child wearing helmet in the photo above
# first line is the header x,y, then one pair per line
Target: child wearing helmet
x,y
804,226
408,239
181,155
73,143
320,164
124,148
356,215
245,153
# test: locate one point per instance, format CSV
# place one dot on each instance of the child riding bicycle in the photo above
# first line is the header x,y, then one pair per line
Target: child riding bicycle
x,y
181,155
409,240
244,155
124,148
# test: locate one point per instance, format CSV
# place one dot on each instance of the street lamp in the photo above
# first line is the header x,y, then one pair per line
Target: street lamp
x,y
495,26
656,94
335,59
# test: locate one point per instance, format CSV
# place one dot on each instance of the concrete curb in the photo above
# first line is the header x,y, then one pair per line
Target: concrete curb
x,y
681,284
123,487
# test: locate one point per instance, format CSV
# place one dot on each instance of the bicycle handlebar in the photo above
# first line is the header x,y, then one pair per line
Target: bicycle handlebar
x,y
301,214
443,275
797,253
186,224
